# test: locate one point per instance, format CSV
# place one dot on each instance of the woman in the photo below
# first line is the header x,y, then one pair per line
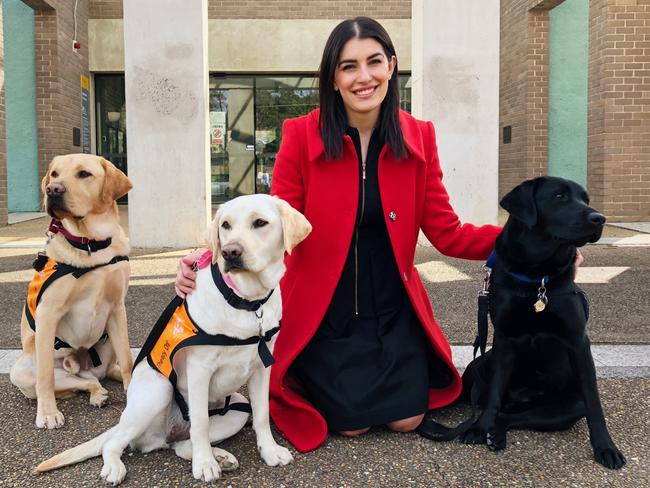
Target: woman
x,y
359,344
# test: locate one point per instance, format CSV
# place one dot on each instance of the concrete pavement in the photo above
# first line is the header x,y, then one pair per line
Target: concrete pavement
x,y
617,279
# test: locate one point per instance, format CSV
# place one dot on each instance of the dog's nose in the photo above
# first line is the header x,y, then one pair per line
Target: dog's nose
x,y
596,218
54,189
232,251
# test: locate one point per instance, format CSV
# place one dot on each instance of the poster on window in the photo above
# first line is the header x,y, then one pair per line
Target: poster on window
x,y
85,114
217,132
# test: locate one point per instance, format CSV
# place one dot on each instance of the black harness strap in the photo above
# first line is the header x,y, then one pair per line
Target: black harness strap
x,y
157,331
205,339
239,407
480,342
61,270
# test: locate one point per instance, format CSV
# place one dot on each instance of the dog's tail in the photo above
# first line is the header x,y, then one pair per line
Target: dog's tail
x,y
74,455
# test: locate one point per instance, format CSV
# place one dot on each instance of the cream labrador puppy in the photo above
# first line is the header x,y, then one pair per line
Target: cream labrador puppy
x,y
73,326
203,350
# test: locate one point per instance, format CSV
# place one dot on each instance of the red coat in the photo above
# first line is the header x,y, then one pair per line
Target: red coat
x,y
326,192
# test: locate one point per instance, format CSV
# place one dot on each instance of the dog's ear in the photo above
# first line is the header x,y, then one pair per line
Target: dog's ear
x,y
116,183
520,203
46,179
213,237
295,226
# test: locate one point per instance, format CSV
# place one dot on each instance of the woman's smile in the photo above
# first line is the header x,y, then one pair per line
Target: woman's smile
x,y
365,92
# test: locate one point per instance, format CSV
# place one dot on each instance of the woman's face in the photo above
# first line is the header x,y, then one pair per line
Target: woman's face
x,y
361,77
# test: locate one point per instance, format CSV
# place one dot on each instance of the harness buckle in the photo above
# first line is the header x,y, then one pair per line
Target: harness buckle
x,y
486,282
259,321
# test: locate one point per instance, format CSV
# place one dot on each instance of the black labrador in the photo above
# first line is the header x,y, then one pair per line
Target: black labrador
x,y
540,373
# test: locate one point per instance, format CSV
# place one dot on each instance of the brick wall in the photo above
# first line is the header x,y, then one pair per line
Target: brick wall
x,y
619,101
523,98
58,71
3,146
280,9
621,109
596,181
105,9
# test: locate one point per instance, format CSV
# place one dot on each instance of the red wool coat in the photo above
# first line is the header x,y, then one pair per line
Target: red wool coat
x,y
326,192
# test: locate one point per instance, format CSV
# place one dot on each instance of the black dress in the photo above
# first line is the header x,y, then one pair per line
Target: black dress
x,y
367,363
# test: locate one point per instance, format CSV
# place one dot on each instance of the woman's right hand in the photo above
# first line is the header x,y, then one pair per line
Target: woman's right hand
x,y
185,276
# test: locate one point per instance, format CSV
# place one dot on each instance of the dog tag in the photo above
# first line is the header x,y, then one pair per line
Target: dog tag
x,y
542,299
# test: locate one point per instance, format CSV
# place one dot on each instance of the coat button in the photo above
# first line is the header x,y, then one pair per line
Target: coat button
x,y
392,216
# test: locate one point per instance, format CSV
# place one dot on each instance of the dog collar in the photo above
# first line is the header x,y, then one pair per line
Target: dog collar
x,y
518,276
231,297
81,243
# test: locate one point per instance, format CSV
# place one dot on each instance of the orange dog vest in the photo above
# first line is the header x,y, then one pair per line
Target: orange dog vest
x,y
47,272
174,330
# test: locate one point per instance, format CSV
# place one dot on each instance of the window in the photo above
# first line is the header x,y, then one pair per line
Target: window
x,y
246,116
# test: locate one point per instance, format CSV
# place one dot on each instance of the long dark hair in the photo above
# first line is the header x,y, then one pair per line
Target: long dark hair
x,y
333,118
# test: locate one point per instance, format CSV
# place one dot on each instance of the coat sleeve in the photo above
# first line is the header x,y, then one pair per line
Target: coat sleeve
x,y
287,182
440,223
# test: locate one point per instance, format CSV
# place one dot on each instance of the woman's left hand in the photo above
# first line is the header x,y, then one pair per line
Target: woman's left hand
x,y
579,259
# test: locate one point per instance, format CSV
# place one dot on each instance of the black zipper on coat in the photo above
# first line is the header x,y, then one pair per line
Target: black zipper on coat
x,y
356,237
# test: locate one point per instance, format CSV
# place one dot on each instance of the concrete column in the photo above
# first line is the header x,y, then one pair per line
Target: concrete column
x,y
455,84
166,77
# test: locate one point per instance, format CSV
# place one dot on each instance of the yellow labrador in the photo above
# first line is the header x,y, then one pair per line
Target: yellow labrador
x,y
203,350
74,326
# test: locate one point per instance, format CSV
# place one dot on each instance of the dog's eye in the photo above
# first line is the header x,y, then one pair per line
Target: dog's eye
x,y
225,225
54,174
559,196
259,223
83,174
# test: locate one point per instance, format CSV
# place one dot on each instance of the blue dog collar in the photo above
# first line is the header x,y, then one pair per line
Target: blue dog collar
x,y
518,276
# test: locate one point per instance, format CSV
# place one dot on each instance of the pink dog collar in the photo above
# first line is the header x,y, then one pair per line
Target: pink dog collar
x,y
204,260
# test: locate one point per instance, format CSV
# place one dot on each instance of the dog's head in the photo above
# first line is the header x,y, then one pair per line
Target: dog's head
x,y
76,185
555,207
252,232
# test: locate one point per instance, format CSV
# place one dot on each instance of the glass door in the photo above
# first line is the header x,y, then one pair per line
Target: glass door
x,y
110,111
232,139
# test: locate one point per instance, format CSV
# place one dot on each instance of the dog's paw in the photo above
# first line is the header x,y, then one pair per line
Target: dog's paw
x,y
113,472
496,440
610,457
475,435
205,469
50,420
227,462
275,455
98,397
